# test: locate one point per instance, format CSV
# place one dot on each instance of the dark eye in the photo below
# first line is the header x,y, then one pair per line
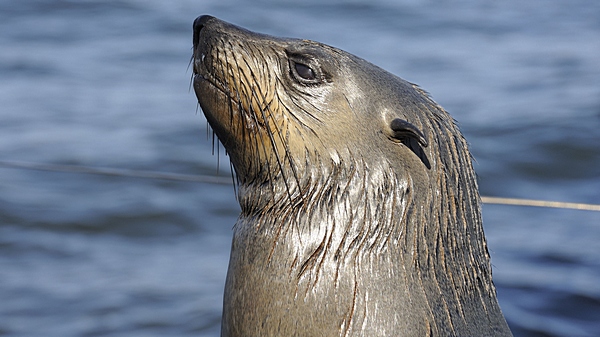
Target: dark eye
x,y
305,71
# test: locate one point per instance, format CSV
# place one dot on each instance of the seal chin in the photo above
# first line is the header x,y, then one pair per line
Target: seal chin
x,y
208,94
205,88
211,98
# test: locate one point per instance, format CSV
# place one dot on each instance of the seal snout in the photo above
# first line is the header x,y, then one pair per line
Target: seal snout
x,y
198,46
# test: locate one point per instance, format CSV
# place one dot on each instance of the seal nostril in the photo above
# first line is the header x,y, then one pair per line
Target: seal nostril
x,y
199,23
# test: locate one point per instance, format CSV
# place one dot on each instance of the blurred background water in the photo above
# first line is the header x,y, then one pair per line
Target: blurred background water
x,y
106,83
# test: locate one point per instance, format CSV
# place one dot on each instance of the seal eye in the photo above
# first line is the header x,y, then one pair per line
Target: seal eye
x,y
305,71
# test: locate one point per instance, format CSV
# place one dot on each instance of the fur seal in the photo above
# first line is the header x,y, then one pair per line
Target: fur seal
x,y
360,214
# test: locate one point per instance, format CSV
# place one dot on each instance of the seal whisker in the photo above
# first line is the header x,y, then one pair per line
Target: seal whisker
x,y
241,76
271,134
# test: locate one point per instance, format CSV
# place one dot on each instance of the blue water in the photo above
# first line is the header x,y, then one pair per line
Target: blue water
x,y
106,84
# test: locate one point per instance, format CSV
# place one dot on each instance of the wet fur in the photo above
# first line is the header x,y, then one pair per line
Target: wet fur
x,y
352,239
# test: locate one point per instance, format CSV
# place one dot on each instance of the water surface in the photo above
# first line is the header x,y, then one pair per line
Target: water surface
x,y
106,84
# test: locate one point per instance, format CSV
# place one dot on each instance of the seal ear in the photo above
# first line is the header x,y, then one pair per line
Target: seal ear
x,y
409,135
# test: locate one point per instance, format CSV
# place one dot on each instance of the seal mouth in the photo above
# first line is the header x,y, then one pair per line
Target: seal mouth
x,y
203,72
203,75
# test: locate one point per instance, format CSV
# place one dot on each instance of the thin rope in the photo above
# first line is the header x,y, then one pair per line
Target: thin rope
x,y
539,203
144,174
108,171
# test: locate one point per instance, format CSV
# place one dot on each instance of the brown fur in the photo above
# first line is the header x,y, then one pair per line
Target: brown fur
x,y
351,225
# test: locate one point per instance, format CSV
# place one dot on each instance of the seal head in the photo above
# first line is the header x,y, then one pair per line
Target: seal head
x,y
360,211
